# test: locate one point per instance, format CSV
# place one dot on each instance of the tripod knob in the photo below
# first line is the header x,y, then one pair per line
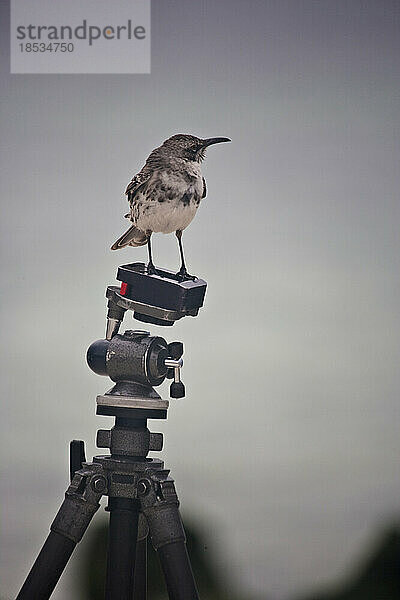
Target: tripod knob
x,y
175,351
177,389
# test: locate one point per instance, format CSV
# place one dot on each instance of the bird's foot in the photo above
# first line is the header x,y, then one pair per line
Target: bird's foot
x,y
183,275
151,270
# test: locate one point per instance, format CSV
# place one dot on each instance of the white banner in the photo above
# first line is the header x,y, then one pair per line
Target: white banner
x,y
80,36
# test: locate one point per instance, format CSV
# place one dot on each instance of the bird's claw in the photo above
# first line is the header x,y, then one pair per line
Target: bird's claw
x,y
151,270
183,275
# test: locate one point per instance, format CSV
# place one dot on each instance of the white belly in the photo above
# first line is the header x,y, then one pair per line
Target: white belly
x,y
165,217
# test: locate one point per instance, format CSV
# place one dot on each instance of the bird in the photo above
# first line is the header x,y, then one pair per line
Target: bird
x,y
166,193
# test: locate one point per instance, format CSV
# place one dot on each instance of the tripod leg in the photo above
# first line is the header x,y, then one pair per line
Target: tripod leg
x,y
160,505
47,568
123,531
140,578
178,572
80,504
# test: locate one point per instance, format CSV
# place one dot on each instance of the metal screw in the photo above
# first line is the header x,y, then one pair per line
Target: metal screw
x,y
143,487
99,484
137,333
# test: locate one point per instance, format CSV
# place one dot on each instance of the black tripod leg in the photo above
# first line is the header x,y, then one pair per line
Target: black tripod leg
x,y
160,506
123,531
47,568
140,578
80,504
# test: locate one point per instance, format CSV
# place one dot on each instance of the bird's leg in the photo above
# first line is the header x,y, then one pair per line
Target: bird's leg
x,y
150,266
182,273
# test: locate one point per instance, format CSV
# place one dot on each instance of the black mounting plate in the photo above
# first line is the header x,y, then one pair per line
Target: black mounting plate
x,y
159,298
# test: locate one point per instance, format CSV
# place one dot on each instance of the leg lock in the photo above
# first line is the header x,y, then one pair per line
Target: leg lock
x,y
81,502
160,505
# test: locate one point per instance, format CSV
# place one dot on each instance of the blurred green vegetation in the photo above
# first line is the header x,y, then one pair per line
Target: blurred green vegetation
x,y
376,577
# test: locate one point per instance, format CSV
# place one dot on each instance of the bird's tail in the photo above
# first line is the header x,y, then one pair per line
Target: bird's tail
x,y
132,237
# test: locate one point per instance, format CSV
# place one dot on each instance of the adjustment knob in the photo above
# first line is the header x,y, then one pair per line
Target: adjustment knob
x,y
177,389
175,350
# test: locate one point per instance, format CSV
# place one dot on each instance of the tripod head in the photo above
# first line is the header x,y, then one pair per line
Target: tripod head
x,y
137,357
135,360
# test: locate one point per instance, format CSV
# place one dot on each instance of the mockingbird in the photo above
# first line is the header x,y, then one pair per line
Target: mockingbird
x,y
165,195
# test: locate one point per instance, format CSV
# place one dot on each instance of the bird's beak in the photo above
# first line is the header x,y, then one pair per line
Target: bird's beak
x,y
216,140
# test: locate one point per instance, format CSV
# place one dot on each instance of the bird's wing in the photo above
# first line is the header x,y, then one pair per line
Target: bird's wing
x,y
204,194
141,178
136,182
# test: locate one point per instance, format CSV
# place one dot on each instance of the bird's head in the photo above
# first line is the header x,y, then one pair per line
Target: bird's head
x,y
189,147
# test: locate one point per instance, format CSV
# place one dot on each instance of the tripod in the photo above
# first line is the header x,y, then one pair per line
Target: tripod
x,y
142,498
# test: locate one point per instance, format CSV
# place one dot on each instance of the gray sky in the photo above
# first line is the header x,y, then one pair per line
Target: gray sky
x,y
287,442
